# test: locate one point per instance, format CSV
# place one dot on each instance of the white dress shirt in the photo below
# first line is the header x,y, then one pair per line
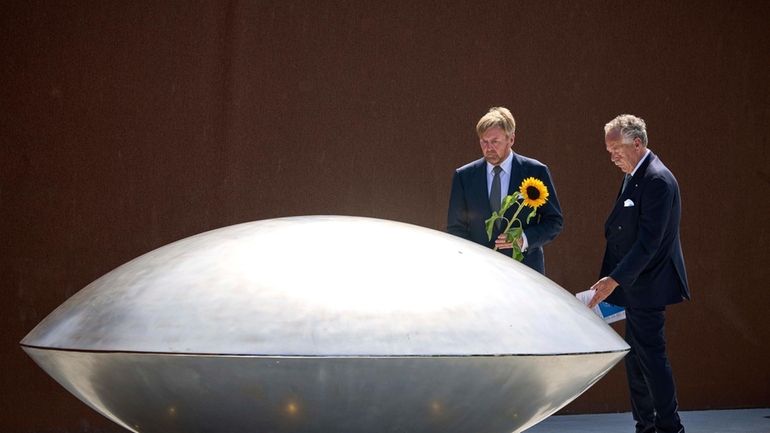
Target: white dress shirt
x,y
638,164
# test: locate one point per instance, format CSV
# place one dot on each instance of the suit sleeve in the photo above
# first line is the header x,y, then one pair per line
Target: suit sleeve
x,y
657,202
457,216
551,220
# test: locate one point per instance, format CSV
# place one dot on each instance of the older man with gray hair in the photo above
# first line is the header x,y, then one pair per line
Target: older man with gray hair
x,y
643,270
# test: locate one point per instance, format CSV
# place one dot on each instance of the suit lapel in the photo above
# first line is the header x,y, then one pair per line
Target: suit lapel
x,y
618,201
479,188
631,188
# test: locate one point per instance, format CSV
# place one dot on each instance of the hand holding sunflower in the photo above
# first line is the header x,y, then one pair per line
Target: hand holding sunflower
x,y
532,193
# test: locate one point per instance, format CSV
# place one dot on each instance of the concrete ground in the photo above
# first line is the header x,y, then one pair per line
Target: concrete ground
x,y
709,421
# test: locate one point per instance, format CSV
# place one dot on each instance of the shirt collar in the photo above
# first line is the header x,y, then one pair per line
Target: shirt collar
x,y
638,164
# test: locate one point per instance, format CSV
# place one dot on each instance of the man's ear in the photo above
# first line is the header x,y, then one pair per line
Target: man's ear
x,y
513,138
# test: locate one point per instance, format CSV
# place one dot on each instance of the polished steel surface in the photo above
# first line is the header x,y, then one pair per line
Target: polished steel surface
x,y
324,323
325,286
192,393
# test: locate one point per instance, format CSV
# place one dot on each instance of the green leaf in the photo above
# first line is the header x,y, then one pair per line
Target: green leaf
x,y
518,256
516,253
507,202
490,224
531,215
514,233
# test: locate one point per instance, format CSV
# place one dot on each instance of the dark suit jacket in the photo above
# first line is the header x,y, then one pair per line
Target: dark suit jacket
x,y
469,208
643,252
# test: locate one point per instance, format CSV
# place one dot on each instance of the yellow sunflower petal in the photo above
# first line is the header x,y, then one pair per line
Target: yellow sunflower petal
x,y
534,192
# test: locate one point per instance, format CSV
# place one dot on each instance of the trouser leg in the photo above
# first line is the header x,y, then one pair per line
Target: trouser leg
x,y
647,330
642,407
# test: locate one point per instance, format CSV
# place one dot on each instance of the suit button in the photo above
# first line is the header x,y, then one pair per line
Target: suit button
x,y
620,227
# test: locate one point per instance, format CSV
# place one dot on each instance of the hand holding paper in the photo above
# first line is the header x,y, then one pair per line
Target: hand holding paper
x,y
609,312
603,288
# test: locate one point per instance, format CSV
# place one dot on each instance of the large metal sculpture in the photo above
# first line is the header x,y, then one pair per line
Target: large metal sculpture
x,y
324,324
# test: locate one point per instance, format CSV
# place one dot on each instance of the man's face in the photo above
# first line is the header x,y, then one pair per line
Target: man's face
x,y
624,155
495,145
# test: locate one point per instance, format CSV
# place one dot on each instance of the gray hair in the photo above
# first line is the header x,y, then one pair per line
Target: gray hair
x,y
630,127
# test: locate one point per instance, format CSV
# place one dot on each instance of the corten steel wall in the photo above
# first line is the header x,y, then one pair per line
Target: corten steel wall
x,y
128,125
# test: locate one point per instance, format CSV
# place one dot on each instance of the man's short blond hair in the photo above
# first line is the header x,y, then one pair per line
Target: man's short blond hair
x,y
499,117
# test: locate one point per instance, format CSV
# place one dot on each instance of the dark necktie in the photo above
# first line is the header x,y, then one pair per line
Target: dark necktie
x,y
626,179
494,194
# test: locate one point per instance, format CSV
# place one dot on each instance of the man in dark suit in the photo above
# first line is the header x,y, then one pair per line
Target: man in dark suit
x,y
482,184
643,270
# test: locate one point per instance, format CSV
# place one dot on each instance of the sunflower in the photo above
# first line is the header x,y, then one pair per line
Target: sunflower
x,y
534,192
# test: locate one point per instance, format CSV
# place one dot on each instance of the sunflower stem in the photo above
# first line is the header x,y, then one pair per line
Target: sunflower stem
x,y
512,220
527,200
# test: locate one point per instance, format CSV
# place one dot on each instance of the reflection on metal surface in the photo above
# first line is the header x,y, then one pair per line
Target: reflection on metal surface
x,y
323,324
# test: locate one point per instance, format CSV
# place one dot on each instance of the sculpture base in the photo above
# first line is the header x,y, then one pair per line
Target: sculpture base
x,y
168,393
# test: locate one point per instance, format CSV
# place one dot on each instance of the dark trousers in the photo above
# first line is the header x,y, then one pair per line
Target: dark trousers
x,y
650,381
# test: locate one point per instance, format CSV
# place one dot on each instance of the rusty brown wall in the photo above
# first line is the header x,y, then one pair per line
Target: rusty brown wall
x,y
128,125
